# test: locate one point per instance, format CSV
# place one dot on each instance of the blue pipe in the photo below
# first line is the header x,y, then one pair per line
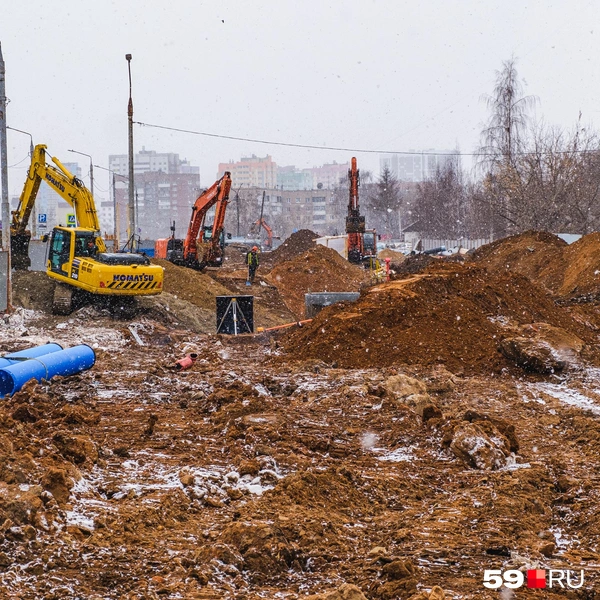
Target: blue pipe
x,y
11,359
64,362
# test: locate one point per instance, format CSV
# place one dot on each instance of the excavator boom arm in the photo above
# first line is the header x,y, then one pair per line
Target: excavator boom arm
x,y
220,210
354,178
61,180
203,204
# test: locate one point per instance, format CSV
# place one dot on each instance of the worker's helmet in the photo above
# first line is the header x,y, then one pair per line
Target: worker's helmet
x,y
254,248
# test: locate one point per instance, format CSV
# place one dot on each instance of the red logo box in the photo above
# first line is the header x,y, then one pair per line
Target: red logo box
x,y
536,578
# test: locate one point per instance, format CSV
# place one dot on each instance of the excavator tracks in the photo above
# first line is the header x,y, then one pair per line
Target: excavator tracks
x,y
62,303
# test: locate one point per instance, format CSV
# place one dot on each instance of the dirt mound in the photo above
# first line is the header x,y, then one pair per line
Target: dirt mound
x,y
579,266
190,285
413,264
33,290
529,253
296,244
318,270
449,314
569,271
396,257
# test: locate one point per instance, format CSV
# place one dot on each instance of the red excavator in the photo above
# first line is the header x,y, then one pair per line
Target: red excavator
x,y
255,227
207,250
355,223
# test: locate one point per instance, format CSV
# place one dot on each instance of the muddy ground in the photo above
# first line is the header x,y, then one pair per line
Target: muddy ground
x,y
388,450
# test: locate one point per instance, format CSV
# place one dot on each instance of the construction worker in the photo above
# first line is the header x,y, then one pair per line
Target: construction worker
x,y
252,262
91,248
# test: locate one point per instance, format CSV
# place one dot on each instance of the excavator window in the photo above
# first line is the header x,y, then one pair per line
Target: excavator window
x,y
60,251
85,245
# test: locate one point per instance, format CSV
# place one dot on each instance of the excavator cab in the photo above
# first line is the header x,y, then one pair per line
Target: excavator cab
x,y
59,252
207,234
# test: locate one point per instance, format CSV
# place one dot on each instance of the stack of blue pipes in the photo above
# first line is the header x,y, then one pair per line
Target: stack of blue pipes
x,y
42,362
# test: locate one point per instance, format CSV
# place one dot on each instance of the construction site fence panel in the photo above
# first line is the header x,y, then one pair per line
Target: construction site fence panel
x,y
37,255
469,244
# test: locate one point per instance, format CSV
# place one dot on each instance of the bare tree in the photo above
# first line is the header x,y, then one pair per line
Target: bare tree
x,y
441,203
504,140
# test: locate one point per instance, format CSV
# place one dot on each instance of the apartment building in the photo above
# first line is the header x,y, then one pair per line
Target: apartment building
x,y
166,187
251,171
418,166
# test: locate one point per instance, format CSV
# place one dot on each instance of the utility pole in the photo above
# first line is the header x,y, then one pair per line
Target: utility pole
x,y
115,215
133,248
4,180
131,211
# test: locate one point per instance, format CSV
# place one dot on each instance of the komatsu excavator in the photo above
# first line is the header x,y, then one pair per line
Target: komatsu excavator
x,y
77,257
204,244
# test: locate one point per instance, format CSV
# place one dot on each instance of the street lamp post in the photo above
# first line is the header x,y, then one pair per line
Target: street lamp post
x,y
91,168
131,182
116,232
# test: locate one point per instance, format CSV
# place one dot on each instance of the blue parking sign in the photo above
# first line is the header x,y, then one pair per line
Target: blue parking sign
x,y
41,218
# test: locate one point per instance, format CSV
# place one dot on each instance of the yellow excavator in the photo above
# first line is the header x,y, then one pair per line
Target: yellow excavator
x,y
77,257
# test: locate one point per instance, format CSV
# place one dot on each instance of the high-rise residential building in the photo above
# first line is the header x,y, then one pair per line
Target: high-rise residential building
x,y
418,166
328,176
251,171
149,161
290,178
165,190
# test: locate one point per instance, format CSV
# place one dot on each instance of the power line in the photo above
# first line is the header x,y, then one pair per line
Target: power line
x,y
355,150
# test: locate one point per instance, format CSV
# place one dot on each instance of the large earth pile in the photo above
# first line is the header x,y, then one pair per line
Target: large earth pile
x,y
528,253
450,314
580,269
320,269
569,271
299,242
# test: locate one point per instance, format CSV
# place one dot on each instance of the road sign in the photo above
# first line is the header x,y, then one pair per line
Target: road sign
x,y
41,218
71,222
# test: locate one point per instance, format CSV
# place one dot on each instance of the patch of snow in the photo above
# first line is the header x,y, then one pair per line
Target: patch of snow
x,y
398,455
76,518
513,465
567,396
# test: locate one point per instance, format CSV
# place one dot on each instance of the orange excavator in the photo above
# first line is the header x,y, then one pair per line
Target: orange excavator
x,y
204,244
255,227
355,223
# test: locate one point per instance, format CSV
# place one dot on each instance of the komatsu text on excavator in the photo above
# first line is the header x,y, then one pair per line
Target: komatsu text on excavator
x,y
204,244
77,257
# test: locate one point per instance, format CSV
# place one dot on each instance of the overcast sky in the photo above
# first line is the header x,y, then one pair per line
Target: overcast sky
x,y
358,74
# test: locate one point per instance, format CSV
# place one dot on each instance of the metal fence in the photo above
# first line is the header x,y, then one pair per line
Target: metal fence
x,y
468,244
